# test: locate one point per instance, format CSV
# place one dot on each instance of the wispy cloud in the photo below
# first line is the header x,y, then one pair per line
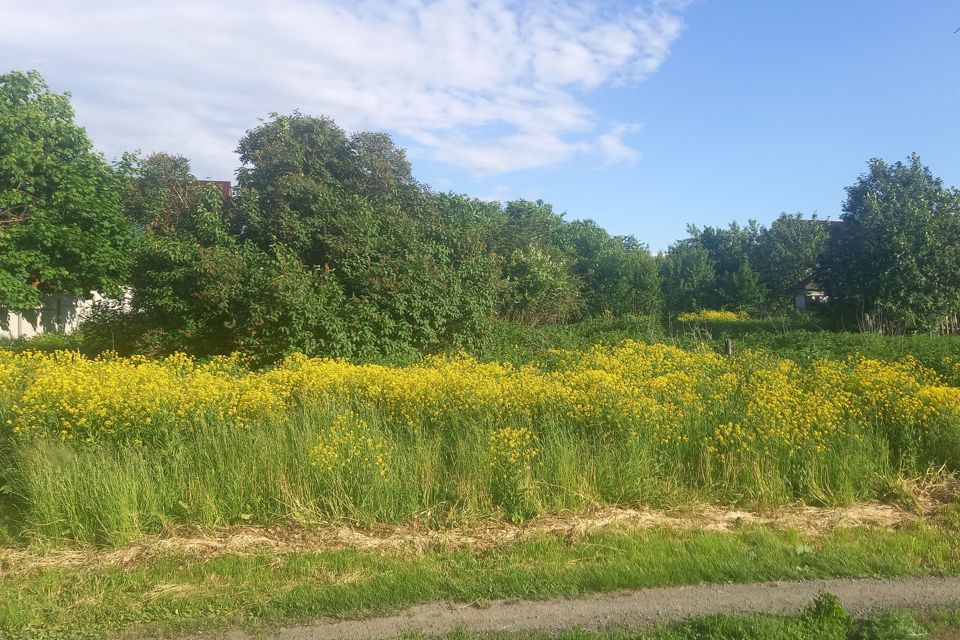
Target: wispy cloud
x,y
488,85
612,146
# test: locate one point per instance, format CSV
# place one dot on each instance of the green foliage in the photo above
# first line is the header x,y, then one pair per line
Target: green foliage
x,y
788,254
526,222
219,299
618,273
521,343
164,191
688,276
735,285
754,268
897,254
47,342
283,307
557,270
799,337
197,288
413,265
539,288
894,625
261,591
743,288
332,247
62,227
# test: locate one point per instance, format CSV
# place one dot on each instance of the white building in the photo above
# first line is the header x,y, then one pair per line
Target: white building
x,y
58,313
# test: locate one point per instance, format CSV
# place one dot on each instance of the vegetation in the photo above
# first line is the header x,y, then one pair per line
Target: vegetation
x,y
336,342
330,247
748,268
184,591
106,450
62,227
897,254
823,619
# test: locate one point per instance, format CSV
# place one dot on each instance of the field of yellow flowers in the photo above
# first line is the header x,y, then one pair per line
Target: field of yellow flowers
x,y
107,449
713,315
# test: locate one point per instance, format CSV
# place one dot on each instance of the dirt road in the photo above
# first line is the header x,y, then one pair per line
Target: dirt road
x,y
639,608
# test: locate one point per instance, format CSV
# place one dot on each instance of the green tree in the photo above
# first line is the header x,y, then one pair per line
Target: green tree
x,y
417,274
62,227
527,222
743,289
197,288
539,287
788,254
161,191
731,251
618,273
897,254
688,276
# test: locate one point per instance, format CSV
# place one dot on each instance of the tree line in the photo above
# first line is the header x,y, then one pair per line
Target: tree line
x,y
329,246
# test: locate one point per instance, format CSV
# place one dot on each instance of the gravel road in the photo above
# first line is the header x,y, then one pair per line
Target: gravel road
x,y
638,608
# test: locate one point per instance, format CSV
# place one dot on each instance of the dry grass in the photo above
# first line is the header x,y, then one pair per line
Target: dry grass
x,y
921,499
489,534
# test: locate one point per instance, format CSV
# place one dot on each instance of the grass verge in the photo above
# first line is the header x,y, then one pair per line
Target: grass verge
x,y
180,592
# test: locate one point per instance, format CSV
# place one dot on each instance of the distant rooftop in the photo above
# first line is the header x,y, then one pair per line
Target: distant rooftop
x,y
223,185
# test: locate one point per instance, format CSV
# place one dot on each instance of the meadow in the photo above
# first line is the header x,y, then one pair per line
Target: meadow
x,y
106,449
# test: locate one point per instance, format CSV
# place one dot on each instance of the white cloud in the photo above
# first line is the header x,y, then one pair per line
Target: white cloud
x,y
612,146
489,85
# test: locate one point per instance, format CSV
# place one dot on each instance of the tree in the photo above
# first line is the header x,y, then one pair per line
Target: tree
x,y
161,192
416,273
731,250
688,276
528,222
897,254
618,273
62,227
197,288
789,253
378,167
742,288
539,288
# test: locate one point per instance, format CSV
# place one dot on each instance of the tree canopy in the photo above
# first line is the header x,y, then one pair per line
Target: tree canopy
x,y
897,254
329,246
62,226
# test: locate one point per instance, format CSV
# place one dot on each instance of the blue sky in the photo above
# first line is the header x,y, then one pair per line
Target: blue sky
x,y
642,116
765,107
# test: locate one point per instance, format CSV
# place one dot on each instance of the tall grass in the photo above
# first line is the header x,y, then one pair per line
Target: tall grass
x,y
112,492
104,451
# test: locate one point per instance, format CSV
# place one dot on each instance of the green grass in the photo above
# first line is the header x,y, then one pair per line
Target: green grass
x,y
441,470
799,336
521,343
441,467
942,624
264,590
44,342
111,493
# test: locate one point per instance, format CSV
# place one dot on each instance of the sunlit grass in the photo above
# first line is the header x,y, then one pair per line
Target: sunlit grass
x,y
106,450
189,592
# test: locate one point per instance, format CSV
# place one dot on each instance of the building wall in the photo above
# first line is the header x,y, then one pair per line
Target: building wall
x,y
59,313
